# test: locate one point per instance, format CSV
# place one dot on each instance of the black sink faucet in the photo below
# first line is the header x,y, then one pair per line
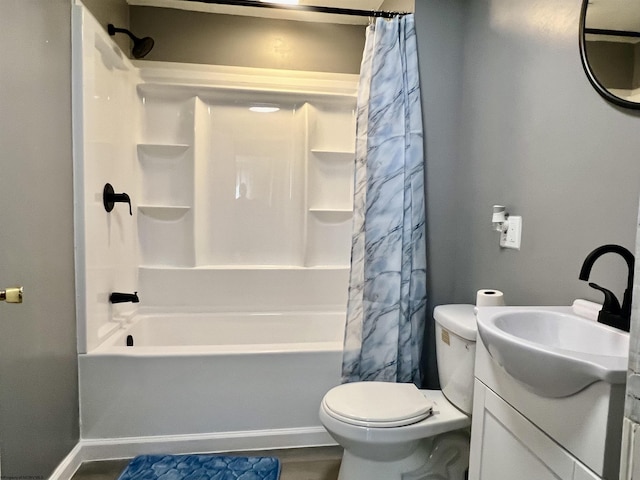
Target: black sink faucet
x,y
117,297
612,313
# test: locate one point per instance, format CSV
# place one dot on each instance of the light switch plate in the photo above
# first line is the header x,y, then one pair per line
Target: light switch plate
x,y
511,238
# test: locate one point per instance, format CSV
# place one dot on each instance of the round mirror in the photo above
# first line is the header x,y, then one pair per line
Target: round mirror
x,y
610,49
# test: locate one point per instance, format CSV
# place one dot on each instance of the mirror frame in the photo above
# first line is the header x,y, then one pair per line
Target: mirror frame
x,y
587,69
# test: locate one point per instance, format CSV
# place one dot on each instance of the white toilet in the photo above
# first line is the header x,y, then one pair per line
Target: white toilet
x,y
393,431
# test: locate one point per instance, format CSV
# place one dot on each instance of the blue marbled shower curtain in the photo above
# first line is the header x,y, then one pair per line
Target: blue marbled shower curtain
x,y
387,290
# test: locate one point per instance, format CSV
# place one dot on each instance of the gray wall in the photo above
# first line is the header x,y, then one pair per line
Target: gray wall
x,y
538,138
112,11
38,362
439,28
534,136
109,11
194,37
398,5
511,118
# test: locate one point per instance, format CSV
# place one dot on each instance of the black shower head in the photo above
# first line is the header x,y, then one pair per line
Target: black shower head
x,y
141,46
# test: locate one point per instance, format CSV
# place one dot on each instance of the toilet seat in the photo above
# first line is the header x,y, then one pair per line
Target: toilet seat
x,y
377,404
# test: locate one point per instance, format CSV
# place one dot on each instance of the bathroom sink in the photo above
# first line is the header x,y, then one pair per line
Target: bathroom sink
x,y
552,351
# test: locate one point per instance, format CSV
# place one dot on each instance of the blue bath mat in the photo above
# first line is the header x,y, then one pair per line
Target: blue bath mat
x,y
201,467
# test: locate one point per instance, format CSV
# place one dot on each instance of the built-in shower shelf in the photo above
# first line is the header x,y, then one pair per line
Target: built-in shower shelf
x,y
333,155
332,215
249,93
163,150
165,213
245,268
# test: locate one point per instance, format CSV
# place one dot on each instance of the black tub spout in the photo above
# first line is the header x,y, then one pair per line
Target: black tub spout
x,y
118,297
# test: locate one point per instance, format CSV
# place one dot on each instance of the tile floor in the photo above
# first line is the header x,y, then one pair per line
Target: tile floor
x,y
318,463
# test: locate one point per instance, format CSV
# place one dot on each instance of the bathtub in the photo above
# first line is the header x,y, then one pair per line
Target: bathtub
x,y
255,376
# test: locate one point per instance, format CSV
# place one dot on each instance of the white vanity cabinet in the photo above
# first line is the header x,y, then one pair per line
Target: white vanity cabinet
x,y
505,445
516,433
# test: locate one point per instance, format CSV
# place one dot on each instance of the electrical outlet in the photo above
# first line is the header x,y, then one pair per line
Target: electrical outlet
x,y
511,238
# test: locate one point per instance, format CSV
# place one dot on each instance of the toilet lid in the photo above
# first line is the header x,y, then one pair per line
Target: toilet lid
x,y
377,404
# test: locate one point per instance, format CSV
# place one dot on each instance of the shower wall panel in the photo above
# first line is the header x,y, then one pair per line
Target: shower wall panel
x,y
234,193
250,191
264,189
105,123
224,199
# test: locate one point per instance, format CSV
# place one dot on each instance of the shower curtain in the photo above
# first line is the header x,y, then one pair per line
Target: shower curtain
x,y
387,289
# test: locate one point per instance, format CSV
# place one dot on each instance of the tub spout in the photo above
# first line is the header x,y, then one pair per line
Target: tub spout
x,y
117,297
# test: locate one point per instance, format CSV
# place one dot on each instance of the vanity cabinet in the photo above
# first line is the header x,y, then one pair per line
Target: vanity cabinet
x,y
518,432
505,445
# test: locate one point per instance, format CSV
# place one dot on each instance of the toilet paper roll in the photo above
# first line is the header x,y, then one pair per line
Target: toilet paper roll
x,y
489,298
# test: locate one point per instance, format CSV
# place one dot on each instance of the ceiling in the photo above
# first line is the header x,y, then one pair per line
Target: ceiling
x,y
282,14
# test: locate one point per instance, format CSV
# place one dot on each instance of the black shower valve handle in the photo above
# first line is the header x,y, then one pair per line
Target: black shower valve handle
x,y
110,198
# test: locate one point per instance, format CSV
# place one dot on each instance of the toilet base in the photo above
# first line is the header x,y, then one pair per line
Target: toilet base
x,y
444,456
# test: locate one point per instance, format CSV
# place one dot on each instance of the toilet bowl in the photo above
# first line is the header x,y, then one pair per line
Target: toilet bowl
x,y
394,431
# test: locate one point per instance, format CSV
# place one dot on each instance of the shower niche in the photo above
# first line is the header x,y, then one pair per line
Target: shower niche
x,y
248,175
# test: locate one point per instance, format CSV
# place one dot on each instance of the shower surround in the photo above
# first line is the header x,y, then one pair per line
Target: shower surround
x,y
238,247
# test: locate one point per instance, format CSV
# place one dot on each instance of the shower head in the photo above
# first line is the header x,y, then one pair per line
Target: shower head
x,y
141,46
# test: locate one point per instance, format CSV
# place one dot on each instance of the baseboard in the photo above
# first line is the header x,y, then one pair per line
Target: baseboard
x,y
69,465
89,450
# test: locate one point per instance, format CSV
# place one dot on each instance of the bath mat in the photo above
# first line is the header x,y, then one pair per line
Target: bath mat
x,y
201,467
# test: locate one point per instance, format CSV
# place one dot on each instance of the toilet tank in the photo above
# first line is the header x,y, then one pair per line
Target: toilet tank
x,y
456,333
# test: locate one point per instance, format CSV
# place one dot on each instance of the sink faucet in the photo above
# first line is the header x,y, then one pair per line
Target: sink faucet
x,y
612,313
117,297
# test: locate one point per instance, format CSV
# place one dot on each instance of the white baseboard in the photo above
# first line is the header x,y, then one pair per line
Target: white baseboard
x,y
89,450
69,465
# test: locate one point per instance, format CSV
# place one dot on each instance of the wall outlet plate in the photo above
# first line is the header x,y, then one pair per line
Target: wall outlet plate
x,y
511,238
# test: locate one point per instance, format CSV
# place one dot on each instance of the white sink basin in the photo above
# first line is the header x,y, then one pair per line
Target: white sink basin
x,y
552,351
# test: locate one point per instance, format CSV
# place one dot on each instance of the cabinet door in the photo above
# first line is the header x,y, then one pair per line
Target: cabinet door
x,y
505,445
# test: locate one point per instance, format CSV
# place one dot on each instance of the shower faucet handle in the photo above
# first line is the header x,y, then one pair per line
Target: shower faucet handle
x,y
11,295
110,198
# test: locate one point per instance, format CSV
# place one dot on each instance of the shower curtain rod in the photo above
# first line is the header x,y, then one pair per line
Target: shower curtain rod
x,y
303,8
616,33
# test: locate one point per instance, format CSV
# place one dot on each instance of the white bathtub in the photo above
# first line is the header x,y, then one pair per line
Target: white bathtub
x,y
239,333
231,375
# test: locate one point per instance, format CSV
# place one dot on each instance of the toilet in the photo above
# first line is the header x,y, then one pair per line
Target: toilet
x,y
393,431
